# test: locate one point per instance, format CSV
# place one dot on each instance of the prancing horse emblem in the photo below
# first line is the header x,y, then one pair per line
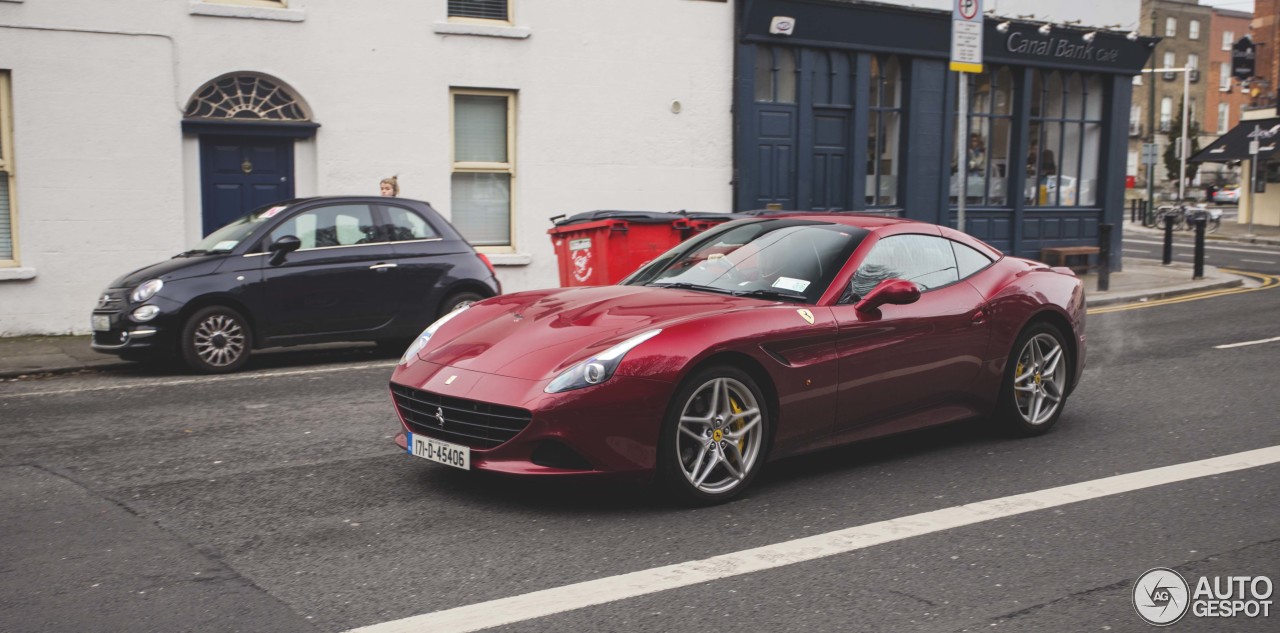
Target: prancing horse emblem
x,y
440,416
808,316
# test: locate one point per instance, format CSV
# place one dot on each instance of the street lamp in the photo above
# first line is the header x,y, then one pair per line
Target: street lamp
x,y
1186,147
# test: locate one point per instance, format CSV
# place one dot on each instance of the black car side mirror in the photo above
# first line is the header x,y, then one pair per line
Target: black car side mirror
x,y
282,247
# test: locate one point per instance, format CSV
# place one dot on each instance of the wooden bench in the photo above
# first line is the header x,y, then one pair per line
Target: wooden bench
x,y
1064,256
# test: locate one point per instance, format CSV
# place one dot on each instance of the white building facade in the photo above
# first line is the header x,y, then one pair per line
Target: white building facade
x,y
109,154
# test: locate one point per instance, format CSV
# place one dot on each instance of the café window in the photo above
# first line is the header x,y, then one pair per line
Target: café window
x,y
986,151
1065,139
884,127
775,75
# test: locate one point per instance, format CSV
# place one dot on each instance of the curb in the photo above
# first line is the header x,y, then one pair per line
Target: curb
x,y
1162,294
1265,241
7,374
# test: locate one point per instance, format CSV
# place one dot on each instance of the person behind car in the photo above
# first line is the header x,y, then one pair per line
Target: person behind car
x,y
390,187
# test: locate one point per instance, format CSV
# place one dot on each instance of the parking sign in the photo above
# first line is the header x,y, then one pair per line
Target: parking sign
x,y
966,36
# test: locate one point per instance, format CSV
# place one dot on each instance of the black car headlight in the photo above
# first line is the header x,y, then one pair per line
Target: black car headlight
x,y
598,368
421,342
146,290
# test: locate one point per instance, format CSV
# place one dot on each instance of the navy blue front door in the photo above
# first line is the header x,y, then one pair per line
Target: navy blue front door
x,y
239,174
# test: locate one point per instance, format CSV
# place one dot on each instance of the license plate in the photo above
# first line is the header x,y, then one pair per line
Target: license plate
x,y
445,453
101,322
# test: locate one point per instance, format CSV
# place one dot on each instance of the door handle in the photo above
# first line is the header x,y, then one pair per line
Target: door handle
x,y
978,317
381,267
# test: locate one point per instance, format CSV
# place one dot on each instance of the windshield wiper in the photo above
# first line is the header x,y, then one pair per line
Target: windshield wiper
x,y
684,285
194,251
771,294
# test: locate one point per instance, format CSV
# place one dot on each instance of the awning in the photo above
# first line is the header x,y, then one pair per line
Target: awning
x,y
1234,145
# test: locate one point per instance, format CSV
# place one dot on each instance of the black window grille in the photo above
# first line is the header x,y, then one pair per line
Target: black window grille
x,y
481,9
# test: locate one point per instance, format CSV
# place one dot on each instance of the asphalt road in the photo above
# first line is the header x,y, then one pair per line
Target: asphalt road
x,y
1260,258
274,500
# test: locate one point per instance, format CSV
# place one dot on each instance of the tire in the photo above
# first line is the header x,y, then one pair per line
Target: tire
x,y
1039,370
392,346
458,300
699,461
216,340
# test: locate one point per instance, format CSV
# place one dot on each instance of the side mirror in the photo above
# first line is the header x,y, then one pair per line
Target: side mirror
x,y
282,247
891,291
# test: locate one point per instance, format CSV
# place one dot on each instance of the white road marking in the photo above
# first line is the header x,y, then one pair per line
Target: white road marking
x,y
1256,261
195,381
547,602
1134,250
1212,248
1265,340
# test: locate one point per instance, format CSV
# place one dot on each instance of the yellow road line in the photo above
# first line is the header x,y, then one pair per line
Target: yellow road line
x,y
1268,282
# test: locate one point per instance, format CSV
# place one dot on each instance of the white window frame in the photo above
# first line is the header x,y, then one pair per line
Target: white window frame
x,y
475,167
1224,78
510,21
7,165
1171,27
1193,30
1224,117
1166,113
1228,40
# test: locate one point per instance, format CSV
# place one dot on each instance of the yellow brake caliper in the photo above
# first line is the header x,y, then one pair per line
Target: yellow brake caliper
x,y
737,408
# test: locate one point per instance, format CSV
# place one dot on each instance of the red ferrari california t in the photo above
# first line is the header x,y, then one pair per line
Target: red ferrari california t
x,y
760,339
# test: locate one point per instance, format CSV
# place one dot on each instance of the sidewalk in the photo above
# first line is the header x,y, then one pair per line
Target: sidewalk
x,y
25,356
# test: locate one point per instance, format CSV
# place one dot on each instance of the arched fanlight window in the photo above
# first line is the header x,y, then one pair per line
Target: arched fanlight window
x,y
247,96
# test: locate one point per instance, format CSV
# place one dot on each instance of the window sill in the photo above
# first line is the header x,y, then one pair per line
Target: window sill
x,y
483,30
199,7
17,273
510,259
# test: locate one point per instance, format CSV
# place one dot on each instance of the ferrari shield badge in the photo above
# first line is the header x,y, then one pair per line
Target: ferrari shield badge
x,y
808,316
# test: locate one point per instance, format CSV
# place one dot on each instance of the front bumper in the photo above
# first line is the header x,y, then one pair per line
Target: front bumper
x,y
122,333
609,429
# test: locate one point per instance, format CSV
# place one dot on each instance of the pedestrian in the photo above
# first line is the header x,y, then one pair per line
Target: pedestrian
x,y
390,187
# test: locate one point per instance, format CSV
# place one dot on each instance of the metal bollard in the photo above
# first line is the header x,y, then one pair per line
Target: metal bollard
x,y
1168,240
1104,257
1199,257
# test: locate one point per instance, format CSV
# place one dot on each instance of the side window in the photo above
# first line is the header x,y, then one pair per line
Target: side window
x,y
338,225
969,260
407,225
924,259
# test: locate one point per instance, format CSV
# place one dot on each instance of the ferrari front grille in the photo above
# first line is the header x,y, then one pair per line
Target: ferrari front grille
x,y
468,422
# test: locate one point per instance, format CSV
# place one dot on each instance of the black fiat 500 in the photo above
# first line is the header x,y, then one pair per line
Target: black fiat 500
x,y
314,270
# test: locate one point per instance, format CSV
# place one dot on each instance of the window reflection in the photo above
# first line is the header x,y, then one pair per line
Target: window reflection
x,y
883,132
986,151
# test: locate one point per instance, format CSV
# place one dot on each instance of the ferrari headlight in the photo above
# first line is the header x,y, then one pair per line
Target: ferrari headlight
x,y
421,342
146,290
598,368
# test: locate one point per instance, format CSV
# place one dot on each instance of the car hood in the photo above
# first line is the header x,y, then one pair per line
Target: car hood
x,y
171,269
536,335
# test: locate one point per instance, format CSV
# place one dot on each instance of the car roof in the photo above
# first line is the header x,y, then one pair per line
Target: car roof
x,y
867,221
355,198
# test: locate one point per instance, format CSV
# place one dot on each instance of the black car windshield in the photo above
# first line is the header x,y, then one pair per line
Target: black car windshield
x,y
779,258
228,237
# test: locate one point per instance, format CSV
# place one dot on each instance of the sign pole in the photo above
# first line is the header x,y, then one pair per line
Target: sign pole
x,y
966,57
1185,145
1254,145
962,149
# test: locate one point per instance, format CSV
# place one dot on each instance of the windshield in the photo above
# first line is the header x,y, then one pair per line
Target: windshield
x,y
228,237
779,258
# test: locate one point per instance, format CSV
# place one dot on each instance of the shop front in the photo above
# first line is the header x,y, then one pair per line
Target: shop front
x,y
855,110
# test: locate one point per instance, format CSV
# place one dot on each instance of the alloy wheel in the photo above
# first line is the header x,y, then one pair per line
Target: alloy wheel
x,y
1039,379
219,340
720,435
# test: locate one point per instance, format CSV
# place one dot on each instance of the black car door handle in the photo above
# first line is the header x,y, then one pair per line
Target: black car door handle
x,y
382,267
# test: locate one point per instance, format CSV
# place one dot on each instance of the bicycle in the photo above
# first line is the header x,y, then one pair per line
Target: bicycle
x,y
1176,211
1212,218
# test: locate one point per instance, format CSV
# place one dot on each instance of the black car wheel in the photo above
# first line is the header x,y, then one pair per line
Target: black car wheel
x,y
216,340
1034,388
714,439
459,300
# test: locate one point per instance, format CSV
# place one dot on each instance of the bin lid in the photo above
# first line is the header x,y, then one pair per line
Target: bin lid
x,y
640,217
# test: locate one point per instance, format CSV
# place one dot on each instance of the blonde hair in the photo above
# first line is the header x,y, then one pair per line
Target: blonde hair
x,y
394,182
